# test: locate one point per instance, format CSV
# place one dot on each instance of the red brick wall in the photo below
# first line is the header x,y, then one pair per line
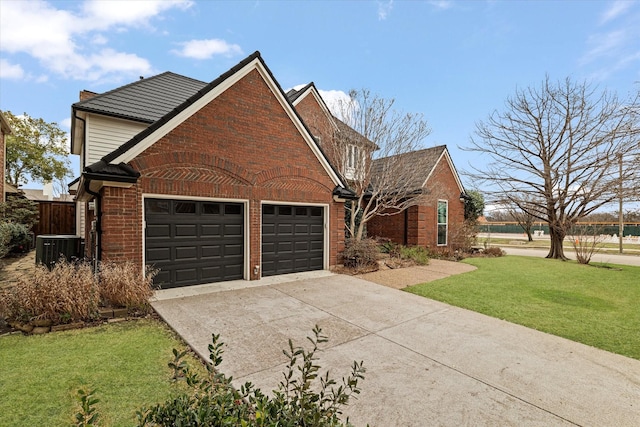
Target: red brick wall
x,y
391,227
242,145
2,160
422,226
319,125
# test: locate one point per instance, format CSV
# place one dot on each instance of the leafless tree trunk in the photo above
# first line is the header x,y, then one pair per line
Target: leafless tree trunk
x,y
558,145
524,220
520,209
383,187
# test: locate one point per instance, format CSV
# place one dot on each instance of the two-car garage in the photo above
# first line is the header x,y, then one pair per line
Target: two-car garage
x,y
195,242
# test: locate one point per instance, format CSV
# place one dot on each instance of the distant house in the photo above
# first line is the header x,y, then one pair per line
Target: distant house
x,y
5,129
436,220
208,182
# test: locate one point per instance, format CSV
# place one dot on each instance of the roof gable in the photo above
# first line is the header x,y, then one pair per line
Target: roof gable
x,y
295,97
204,96
424,162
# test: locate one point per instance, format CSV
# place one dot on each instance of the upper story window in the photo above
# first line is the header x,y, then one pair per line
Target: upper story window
x,y
354,162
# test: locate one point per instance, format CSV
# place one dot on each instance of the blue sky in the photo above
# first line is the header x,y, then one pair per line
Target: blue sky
x,y
453,61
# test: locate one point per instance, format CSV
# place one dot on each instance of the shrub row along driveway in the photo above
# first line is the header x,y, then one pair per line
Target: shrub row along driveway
x,y
427,363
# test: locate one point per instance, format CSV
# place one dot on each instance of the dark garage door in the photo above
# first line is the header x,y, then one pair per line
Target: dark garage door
x,y
194,242
292,239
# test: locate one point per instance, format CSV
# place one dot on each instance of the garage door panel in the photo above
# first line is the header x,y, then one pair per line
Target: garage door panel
x,y
211,251
230,250
292,239
184,253
284,229
186,275
302,229
268,229
285,247
302,246
210,229
211,272
194,242
158,230
233,230
162,277
158,254
189,230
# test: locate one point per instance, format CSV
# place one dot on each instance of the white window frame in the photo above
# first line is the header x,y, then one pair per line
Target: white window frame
x,y
446,223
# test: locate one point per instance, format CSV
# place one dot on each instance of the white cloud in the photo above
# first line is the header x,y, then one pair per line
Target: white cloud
x,y
617,8
333,99
441,4
65,123
103,14
614,47
205,49
10,71
99,39
55,37
384,8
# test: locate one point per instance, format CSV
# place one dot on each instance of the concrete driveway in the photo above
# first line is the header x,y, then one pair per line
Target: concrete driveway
x,y
427,363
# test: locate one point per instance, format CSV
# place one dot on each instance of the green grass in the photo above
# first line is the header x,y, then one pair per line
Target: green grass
x,y
125,363
595,306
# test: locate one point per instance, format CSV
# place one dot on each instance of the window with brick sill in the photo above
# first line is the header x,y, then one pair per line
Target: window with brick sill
x,y
443,222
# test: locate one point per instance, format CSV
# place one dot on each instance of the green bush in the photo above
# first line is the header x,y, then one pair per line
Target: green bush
x,y
14,237
418,254
493,252
303,398
5,240
20,211
361,253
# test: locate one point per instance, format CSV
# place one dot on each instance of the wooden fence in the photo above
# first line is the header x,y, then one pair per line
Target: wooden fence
x,y
56,218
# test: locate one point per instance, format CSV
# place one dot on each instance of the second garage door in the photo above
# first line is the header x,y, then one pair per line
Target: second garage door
x,y
292,239
194,242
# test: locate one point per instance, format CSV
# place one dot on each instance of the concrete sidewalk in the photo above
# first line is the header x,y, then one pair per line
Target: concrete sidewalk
x,y
427,363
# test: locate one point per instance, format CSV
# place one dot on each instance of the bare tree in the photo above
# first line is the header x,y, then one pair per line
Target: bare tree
x,y
381,179
586,240
521,210
524,220
559,145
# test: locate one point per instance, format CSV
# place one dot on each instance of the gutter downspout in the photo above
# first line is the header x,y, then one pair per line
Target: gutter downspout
x,y
98,211
406,226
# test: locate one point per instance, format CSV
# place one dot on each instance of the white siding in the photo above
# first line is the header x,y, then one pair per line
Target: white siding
x,y
80,219
105,134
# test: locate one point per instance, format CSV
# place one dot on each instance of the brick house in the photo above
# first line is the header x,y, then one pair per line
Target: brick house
x,y
436,220
5,129
437,177
207,181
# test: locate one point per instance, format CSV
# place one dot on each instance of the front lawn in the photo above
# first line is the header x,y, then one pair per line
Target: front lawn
x,y
595,306
125,363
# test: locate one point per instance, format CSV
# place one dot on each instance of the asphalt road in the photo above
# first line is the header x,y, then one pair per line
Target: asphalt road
x,y
605,258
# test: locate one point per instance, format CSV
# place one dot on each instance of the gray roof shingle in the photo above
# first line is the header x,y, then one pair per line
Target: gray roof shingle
x,y
146,100
421,161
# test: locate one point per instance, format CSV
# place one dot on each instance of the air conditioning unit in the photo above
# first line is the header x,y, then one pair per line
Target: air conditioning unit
x,y
50,248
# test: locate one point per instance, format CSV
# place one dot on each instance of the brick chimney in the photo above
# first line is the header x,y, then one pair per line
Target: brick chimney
x,y
86,94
